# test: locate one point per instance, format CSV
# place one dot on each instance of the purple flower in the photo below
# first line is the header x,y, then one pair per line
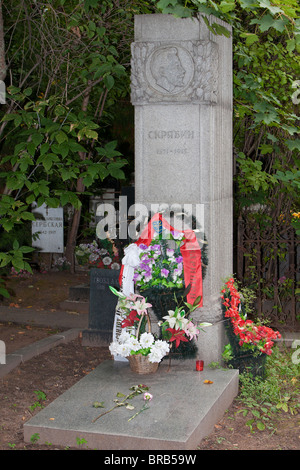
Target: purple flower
x,y
156,248
164,272
179,259
170,252
143,246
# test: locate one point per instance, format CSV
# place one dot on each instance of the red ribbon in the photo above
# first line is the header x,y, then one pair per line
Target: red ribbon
x,y
190,251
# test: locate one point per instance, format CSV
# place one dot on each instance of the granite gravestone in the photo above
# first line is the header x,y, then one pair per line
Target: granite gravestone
x,y
102,307
181,89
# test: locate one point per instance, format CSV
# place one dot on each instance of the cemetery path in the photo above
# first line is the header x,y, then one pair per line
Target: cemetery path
x,y
40,380
42,290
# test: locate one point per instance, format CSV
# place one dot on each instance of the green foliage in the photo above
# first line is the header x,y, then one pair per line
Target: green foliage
x,y
262,400
266,46
67,66
41,397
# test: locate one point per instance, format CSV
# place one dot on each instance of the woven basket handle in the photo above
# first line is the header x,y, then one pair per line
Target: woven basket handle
x,y
140,322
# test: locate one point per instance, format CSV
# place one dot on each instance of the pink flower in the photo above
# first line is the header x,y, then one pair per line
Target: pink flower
x,y
148,396
191,330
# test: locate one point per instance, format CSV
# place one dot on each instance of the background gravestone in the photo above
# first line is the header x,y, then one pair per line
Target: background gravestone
x,y
181,88
102,307
49,227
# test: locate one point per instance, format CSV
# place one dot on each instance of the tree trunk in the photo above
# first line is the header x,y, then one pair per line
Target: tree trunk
x,y
72,235
2,47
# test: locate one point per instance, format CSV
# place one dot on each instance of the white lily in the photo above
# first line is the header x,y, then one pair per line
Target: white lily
x,y
174,321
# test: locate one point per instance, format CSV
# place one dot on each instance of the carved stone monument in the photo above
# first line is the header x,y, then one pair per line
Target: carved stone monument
x,y
181,88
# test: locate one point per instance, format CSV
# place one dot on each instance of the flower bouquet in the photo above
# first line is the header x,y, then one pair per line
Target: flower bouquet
x,y
140,347
95,257
161,266
179,329
250,343
160,276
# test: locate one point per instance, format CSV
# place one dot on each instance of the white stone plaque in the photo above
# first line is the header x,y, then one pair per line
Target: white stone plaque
x,y
49,227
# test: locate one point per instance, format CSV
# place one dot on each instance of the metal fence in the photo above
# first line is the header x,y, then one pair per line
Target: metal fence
x,y
267,260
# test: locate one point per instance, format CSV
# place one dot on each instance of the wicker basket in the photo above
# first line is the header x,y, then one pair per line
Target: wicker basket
x,y
140,364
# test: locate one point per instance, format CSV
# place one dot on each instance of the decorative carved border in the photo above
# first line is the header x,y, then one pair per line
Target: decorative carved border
x,y
198,60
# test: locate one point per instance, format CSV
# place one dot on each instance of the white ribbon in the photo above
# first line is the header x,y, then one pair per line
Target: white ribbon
x,y
130,261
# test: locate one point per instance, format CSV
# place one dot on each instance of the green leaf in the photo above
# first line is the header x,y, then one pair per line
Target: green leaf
x,y
109,82
28,91
28,216
266,148
37,138
90,134
115,171
44,148
250,38
61,137
260,425
9,117
13,90
16,245
116,292
255,413
4,292
98,404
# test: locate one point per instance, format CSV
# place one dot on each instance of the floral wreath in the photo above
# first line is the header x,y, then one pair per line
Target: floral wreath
x,y
251,336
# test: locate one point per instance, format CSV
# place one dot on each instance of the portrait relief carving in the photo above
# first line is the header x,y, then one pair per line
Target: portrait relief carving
x,y
183,72
167,71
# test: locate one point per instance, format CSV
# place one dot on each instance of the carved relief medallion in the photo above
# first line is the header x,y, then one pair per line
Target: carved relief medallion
x,y
180,72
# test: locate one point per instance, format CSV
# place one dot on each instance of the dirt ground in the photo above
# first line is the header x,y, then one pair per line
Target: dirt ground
x,y
39,381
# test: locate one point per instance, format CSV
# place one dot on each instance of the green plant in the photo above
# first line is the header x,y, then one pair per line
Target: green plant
x,y
81,441
227,354
41,397
34,438
262,400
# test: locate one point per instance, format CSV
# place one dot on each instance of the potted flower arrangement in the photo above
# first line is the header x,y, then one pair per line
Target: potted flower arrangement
x,y
143,351
250,343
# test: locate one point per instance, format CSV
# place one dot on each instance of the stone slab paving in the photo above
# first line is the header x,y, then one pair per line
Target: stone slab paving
x,y
182,412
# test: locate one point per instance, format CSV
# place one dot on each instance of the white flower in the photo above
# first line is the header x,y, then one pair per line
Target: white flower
x,y
103,251
113,347
146,340
124,349
177,235
93,257
134,344
174,322
115,266
124,337
161,345
107,260
155,355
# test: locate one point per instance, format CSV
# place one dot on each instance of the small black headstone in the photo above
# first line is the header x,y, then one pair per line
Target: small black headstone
x,y
102,307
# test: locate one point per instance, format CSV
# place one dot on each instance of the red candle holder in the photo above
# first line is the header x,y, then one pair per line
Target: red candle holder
x,y
199,365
